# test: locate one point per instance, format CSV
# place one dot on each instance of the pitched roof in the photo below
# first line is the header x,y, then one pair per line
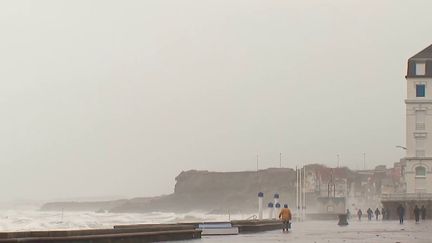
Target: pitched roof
x,y
426,53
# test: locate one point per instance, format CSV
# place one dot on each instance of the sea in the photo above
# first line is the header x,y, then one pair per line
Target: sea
x,y
31,218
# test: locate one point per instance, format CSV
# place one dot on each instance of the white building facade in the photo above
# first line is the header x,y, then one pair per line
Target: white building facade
x,y
418,169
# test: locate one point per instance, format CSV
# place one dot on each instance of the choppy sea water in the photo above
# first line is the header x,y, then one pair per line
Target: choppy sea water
x,y
33,219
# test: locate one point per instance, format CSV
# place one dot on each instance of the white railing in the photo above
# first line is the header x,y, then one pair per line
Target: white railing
x,y
406,196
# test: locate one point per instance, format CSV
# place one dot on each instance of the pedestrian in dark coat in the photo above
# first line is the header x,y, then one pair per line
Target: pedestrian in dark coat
x,y
417,214
359,214
377,213
401,213
369,213
423,212
383,213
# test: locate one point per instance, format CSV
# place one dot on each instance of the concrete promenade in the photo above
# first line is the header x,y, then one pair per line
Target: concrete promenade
x,y
329,232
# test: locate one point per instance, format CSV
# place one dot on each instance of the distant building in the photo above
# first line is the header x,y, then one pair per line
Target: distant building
x,y
418,168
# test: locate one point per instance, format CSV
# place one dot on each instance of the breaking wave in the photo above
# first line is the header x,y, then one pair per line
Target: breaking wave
x,y
33,219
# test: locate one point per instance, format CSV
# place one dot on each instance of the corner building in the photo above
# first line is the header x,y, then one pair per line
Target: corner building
x,y
418,169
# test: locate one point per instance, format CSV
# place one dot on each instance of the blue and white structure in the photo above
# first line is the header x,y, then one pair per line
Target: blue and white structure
x,y
270,205
277,209
276,202
260,205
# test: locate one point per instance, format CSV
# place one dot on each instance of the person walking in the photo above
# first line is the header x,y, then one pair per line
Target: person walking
x,y
417,214
423,212
377,213
383,213
369,213
359,214
285,216
401,213
348,213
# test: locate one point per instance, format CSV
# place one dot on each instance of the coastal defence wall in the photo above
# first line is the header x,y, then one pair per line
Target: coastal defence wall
x,y
116,238
87,232
133,233
150,233
244,226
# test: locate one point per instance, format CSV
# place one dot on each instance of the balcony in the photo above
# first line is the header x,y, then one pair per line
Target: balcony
x,y
406,197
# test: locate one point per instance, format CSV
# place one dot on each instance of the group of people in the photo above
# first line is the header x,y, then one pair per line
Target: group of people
x,y
417,212
385,212
286,216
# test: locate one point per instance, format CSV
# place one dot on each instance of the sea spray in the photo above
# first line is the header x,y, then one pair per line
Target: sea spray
x,y
34,219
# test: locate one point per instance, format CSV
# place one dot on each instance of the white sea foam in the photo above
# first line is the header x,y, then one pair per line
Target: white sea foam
x,y
33,219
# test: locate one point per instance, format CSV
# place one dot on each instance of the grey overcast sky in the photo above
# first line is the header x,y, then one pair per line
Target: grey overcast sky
x,y
102,98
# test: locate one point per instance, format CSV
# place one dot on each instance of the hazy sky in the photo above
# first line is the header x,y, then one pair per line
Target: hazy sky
x,y
118,97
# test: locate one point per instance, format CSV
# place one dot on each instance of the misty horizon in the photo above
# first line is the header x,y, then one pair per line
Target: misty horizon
x,y
103,98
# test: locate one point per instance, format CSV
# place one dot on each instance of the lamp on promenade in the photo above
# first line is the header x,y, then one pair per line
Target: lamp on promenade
x,y
364,161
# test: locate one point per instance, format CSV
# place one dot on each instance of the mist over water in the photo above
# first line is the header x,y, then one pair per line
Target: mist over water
x,y
33,219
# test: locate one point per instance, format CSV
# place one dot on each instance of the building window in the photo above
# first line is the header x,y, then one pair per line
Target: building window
x,y
420,126
420,90
420,171
420,119
420,153
420,68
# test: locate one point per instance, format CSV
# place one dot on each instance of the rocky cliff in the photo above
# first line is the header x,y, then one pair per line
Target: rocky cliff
x,y
219,192
216,192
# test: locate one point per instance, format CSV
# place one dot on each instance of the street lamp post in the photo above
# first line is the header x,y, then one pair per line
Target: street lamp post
x,y
280,160
364,160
